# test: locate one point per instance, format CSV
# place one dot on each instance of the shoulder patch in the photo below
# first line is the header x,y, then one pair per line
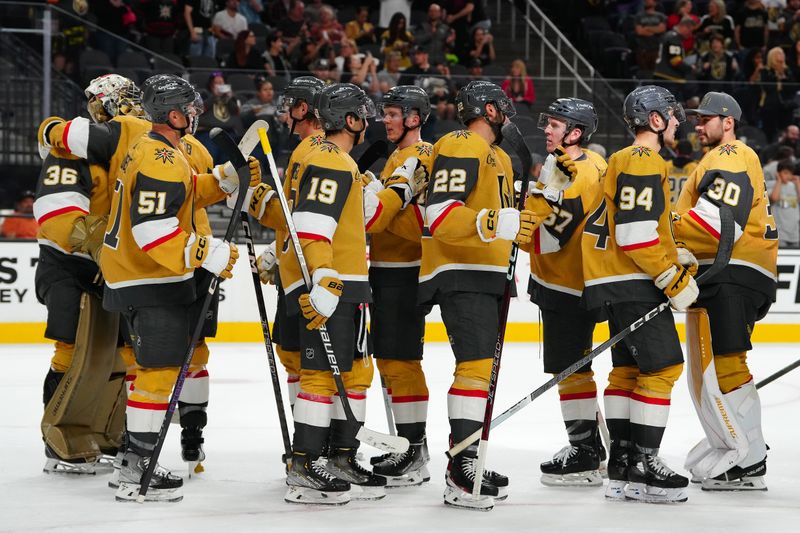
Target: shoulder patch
x,y
165,155
424,149
490,160
327,146
641,151
727,149
316,140
463,134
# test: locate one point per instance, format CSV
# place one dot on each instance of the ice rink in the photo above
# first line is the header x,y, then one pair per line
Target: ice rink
x,y
243,485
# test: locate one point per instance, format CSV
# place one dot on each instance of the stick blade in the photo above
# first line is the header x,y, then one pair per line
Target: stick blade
x,y
228,147
382,441
514,137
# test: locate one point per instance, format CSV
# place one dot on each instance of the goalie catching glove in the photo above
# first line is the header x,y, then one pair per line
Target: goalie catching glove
x,y
318,305
87,235
408,180
558,173
228,178
266,264
507,224
679,286
215,255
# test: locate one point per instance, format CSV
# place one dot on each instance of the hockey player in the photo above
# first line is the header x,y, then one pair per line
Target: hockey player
x,y
470,223
398,323
71,208
679,168
150,252
630,264
730,175
556,283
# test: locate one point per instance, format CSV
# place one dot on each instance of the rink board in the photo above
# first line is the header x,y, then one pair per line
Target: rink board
x,y
22,316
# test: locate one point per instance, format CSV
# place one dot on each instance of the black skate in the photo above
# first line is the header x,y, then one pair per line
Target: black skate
x,y
650,480
407,469
738,478
498,480
573,466
80,467
343,464
618,462
309,483
164,486
192,449
460,478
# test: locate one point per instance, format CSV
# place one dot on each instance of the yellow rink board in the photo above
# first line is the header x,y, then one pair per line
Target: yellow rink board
x,y
26,332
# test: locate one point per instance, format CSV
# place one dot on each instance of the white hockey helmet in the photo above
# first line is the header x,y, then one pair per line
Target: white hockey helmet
x,y
111,95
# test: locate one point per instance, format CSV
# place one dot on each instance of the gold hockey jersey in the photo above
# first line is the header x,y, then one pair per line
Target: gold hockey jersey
x,y
731,175
200,162
556,278
327,210
395,249
678,170
468,175
151,220
627,241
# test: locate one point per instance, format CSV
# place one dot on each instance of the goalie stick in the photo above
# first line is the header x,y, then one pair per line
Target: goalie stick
x,y
776,375
226,144
382,441
513,136
724,251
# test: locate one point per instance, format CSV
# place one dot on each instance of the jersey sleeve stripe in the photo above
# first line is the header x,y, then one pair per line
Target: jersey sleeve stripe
x,y
468,392
649,399
408,399
312,236
151,233
55,204
438,212
65,136
635,235
76,136
640,245
418,213
372,212
316,224
707,215
578,396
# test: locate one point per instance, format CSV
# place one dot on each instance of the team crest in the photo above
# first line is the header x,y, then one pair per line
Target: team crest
x,y
316,140
641,151
424,149
462,134
165,155
329,147
727,149
490,160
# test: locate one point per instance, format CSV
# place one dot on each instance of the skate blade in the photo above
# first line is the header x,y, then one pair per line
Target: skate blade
x,y
306,496
589,478
364,493
502,494
603,471
616,490
129,492
113,483
195,467
455,497
649,494
757,483
415,478
57,466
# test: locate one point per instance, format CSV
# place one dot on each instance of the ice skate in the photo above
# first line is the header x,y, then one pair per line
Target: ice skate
x,y
310,483
79,467
406,469
192,449
164,486
460,478
617,471
365,485
651,481
573,466
738,478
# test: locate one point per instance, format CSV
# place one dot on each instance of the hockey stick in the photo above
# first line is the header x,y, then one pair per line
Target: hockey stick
x,y
225,143
512,134
724,251
376,150
246,146
382,441
387,406
776,375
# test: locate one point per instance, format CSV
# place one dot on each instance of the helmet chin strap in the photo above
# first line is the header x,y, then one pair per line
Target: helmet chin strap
x,y
181,131
406,129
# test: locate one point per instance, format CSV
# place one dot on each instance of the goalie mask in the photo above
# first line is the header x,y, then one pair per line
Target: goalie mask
x,y
112,95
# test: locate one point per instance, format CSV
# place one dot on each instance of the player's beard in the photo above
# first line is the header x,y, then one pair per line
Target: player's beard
x,y
497,129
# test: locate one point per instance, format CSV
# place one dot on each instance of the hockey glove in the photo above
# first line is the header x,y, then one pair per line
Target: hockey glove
x,y
254,166
215,255
43,136
679,286
87,235
371,183
227,177
318,305
261,196
408,180
688,260
527,225
558,173
266,264
498,224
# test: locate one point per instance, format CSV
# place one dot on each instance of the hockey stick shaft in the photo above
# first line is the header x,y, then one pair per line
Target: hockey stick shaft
x,y
720,261
375,151
379,440
387,406
224,143
776,375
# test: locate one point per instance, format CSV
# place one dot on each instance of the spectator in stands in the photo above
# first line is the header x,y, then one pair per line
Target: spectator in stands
x,y
159,22
228,23
461,15
390,75
537,162
276,61
718,66
777,83
474,71
683,10
328,27
362,70
788,23
360,30
313,11
436,36
650,24
22,225
783,195
790,138
262,106
482,46
397,38
346,49
519,86
598,149
245,56
222,110
770,169
715,21
422,68
277,10
751,25
294,22
628,7
114,15
325,70
197,15
309,50
251,10
671,64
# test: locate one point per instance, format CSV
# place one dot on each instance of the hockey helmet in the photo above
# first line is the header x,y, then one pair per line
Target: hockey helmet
x,y
648,99
472,99
576,113
111,95
300,89
166,92
333,103
407,98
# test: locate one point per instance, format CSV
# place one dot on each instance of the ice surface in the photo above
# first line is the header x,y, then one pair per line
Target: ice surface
x,y
243,485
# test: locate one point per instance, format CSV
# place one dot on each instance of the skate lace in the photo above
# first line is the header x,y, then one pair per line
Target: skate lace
x,y
397,458
658,466
468,467
318,467
158,472
564,454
